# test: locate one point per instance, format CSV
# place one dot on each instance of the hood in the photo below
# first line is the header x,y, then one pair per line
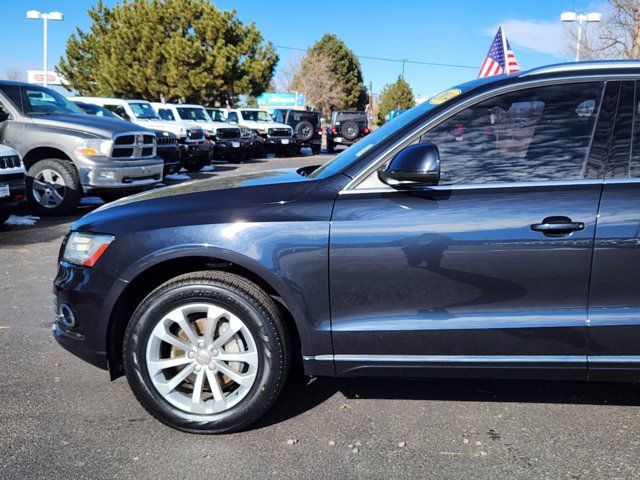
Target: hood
x,y
263,125
209,126
101,127
214,200
174,127
7,151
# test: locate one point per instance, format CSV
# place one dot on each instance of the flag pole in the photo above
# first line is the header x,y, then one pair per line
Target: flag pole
x,y
504,51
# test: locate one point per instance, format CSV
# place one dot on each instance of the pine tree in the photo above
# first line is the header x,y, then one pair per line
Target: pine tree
x,y
186,50
395,96
345,66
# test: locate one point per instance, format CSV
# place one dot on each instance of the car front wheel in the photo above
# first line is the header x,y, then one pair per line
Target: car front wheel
x,y
53,187
207,353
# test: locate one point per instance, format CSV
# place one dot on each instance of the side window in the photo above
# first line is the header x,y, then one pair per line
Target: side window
x,y
232,117
538,134
166,114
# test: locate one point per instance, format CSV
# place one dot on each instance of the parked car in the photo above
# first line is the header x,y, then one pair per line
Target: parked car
x,y
167,146
270,136
346,128
68,153
12,181
226,138
307,129
491,231
195,148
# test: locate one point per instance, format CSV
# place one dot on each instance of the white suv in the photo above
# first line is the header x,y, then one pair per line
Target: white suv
x,y
196,149
231,142
271,136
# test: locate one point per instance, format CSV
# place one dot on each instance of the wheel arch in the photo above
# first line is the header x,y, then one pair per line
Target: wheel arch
x,y
145,280
42,153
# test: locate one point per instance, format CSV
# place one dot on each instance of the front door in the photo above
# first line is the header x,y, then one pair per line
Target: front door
x,y
489,269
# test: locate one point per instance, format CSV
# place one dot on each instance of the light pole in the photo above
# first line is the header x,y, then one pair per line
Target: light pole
x,y
35,15
581,19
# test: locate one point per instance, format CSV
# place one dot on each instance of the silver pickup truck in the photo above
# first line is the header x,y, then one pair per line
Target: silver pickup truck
x,y
68,153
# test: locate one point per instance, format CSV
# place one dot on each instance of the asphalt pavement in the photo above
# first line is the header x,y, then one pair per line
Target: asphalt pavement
x,y
62,418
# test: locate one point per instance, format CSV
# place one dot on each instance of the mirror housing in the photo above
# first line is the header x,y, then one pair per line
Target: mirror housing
x,y
416,166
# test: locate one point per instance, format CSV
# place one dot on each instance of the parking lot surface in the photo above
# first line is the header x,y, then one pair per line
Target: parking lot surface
x,y
62,418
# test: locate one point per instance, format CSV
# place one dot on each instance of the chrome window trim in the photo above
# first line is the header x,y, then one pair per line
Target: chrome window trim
x,y
453,358
614,359
409,137
476,186
584,66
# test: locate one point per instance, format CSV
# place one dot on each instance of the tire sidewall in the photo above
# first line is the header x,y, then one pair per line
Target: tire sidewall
x,y
73,189
345,127
257,400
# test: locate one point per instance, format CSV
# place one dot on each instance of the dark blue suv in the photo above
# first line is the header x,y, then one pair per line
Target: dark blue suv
x,y
493,231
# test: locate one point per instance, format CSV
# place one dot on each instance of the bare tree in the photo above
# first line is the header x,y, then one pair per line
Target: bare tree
x,y
14,74
616,36
314,79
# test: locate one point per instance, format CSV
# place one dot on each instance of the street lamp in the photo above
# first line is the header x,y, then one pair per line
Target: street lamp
x,y
35,15
581,19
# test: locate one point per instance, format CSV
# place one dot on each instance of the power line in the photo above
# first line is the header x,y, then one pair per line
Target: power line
x,y
395,60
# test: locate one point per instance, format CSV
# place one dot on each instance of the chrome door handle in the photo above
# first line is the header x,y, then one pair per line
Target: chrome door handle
x,y
557,226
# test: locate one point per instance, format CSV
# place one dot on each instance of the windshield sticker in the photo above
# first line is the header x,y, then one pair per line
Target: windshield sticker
x,y
445,96
364,150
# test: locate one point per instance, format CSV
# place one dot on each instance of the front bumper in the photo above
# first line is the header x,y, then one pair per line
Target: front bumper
x,y
276,143
16,184
85,292
231,147
120,175
171,158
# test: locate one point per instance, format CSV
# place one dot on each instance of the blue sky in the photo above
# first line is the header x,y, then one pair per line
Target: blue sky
x,y
442,31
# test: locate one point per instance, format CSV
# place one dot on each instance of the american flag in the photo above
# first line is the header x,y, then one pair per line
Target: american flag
x,y
494,63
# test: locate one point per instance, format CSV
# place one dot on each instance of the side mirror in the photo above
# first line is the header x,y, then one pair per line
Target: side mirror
x,y
416,166
4,115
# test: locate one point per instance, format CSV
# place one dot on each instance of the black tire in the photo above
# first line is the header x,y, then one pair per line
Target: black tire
x,y
350,130
331,147
304,131
71,194
315,149
258,312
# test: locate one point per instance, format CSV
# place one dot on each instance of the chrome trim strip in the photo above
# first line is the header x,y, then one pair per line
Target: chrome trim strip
x,y
615,181
614,359
477,186
453,358
416,132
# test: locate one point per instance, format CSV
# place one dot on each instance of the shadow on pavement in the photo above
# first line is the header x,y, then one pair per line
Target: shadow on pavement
x,y
300,396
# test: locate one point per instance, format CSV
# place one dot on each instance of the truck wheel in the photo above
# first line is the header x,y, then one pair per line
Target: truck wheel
x,y
315,149
207,352
350,130
53,187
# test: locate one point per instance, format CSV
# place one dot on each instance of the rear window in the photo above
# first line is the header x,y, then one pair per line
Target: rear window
x,y
358,117
312,117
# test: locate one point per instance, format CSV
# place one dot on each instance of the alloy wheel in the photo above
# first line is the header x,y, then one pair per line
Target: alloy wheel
x,y
201,358
49,188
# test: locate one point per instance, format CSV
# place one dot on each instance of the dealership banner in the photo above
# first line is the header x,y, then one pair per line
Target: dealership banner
x,y
37,76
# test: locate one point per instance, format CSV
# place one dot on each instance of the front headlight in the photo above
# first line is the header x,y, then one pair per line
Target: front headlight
x,y
85,249
94,148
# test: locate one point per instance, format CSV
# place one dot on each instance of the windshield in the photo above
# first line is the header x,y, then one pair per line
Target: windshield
x,y
143,110
216,115
97,110
197,114
35,100
256,116
354,152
